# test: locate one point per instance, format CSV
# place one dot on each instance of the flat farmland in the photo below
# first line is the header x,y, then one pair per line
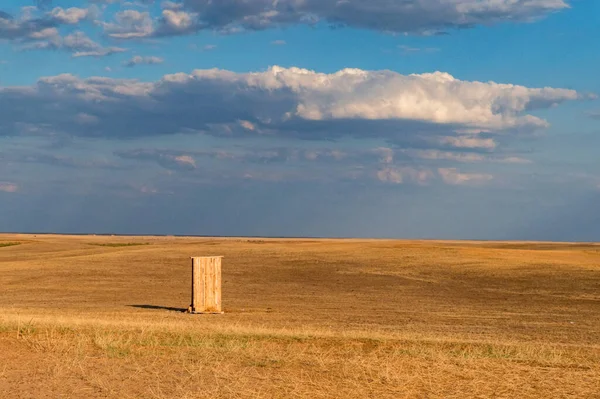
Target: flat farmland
x,y
101,317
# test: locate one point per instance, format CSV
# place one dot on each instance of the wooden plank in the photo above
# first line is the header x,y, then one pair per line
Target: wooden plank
x,y
208,285
217,280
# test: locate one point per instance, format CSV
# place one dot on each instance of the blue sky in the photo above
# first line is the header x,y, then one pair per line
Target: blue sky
x,y
411,119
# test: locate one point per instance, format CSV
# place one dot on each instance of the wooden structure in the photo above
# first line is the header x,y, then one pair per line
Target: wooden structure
x,y
206,285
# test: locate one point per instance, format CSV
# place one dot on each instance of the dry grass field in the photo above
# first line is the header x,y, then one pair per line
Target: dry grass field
x,y
99,317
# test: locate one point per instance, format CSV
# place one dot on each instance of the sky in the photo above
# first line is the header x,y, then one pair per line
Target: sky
x,y
438,119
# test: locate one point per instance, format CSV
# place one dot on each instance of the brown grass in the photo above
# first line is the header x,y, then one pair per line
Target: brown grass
x,y
119,244
304,318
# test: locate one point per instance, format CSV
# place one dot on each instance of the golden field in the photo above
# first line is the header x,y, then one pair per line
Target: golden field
x,y
99,317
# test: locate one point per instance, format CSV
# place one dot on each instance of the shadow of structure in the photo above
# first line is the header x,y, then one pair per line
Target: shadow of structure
x,y
153,307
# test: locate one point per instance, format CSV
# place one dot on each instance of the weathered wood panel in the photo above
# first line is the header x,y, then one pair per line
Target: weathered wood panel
x,y
206,284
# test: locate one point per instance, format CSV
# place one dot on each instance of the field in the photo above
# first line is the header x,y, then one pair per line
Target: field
x,y
100,317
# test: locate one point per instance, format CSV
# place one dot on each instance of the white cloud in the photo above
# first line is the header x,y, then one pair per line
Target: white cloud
x,y
185,160
130,24
400,175
293,102
449,156
177,21
102,52
139,60
437,97
515,160
453,176
468,142
69,16
148,190
278,42
46,33
390,175
8,187
79,40
465,157
247,125
78,43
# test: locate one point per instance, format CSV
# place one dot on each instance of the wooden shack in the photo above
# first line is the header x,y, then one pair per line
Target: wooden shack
x,y
206,285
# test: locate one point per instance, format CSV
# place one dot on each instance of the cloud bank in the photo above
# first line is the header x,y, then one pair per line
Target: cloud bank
x,y
289,102
400,16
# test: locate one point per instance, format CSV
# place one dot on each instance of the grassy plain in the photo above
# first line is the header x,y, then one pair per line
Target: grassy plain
x,y
98,317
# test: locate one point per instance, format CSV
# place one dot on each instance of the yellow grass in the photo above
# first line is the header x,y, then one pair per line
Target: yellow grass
x,y
97,317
